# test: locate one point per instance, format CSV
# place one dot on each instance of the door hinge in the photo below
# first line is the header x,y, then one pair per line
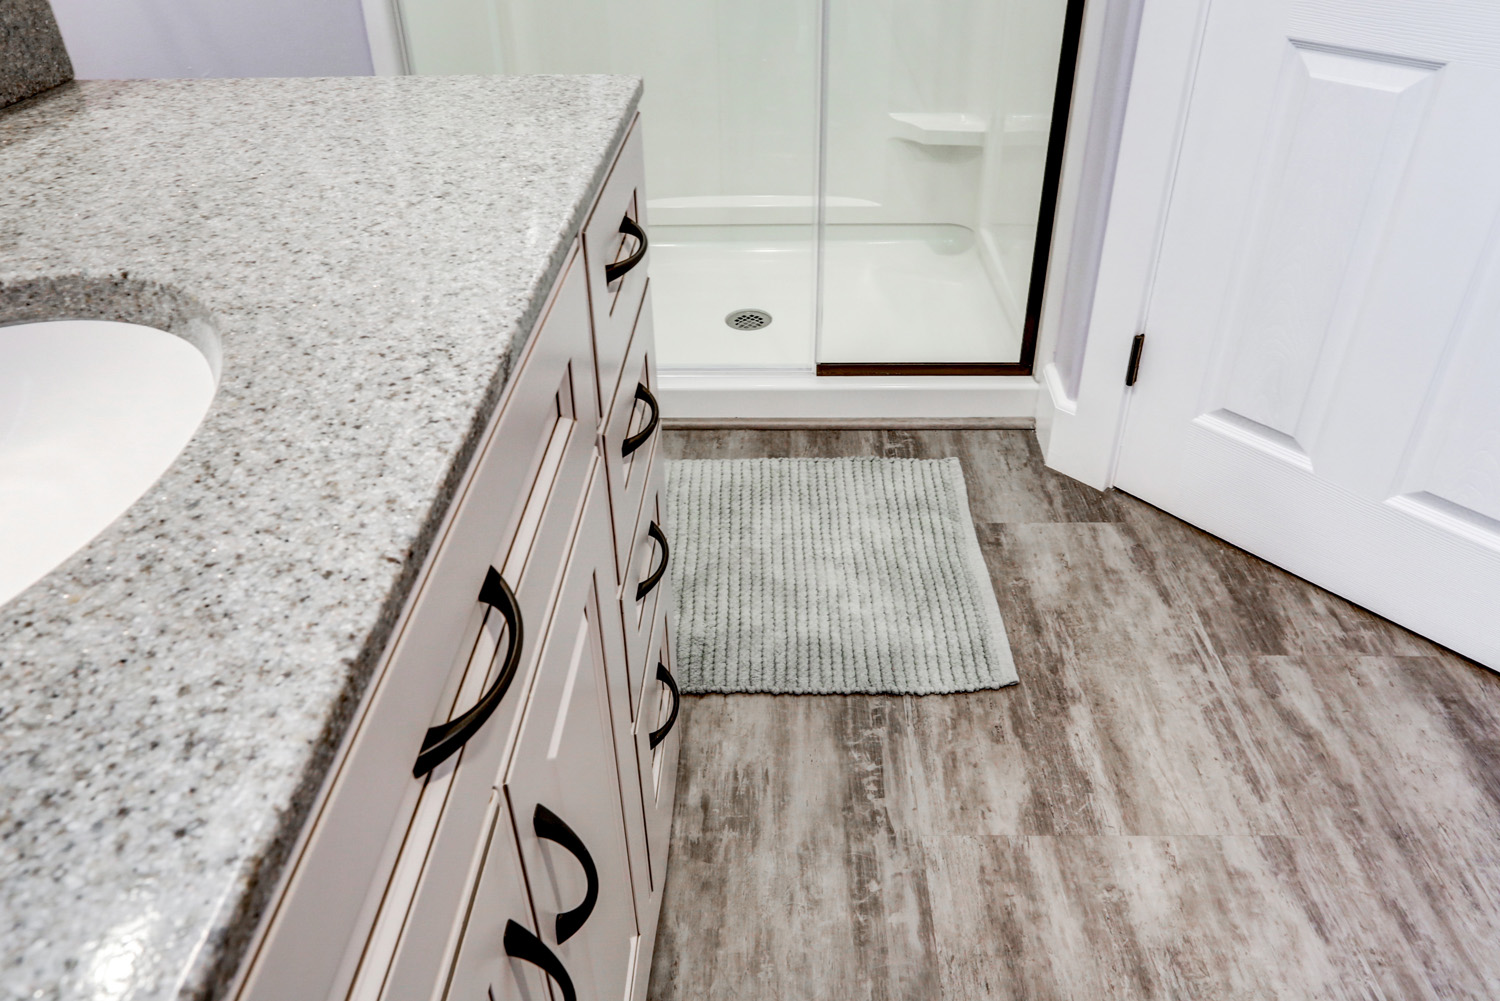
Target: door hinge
x,y
1133,369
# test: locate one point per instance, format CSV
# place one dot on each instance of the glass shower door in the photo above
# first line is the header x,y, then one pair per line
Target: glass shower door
x,y
939,115
731,141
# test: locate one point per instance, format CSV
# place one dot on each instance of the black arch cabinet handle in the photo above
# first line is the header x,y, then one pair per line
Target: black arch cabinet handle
x,y
635,441
644,587
444,740
614,272
660,734
521,944
550,826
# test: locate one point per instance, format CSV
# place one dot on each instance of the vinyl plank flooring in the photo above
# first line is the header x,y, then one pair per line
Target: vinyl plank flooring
x,y
1214,781
1228,918
1120,690
822,443
788,878
1246,605
1006,478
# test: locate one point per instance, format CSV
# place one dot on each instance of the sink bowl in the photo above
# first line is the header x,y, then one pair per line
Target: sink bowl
x,y
92,413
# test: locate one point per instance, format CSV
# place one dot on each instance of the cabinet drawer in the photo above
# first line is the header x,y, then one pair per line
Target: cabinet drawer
x,y
657,739
630,429
647,562
482,968
514,513
417,928
660,713
563,787
607,246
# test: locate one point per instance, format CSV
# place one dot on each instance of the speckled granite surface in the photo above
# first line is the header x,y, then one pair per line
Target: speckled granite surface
x,y
32,55
365,256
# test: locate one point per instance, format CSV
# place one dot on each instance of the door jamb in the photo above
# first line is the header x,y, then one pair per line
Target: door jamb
x,y
1081,435
386,35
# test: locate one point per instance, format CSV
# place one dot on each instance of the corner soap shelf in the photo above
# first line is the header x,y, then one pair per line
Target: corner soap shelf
x,y
940,128
958,128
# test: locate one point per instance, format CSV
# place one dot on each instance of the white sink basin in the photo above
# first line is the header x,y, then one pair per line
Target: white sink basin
x,y
91,414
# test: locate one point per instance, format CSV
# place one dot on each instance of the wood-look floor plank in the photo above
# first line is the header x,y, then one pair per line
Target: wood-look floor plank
x,y
1222,917
1005,475
1213,781
788,878
1246,605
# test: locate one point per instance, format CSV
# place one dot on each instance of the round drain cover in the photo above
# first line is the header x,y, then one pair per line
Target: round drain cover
x,y
748,319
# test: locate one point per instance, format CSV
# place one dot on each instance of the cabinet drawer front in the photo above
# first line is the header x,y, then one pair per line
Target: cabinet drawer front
x,y
482,970
615,303
562,785
647,559
539,445
434,869
655,782
659,719
626,424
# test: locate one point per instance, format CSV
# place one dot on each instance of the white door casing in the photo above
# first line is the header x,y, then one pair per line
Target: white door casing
x,y
1321,379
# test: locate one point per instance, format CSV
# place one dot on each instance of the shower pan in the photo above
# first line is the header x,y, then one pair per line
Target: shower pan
x,y
836,187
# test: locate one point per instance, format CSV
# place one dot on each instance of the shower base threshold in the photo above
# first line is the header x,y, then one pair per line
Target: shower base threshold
x,y
799,395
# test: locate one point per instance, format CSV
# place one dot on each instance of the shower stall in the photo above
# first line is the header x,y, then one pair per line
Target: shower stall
x,y
836,187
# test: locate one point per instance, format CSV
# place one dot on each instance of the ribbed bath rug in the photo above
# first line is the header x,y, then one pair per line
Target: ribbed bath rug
x,y
824,576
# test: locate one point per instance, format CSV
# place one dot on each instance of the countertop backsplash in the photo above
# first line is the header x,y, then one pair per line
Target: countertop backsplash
x,y
32,55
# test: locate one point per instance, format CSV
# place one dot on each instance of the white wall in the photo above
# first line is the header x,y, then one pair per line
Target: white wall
x,y
120,39
730,108
732,97
900,56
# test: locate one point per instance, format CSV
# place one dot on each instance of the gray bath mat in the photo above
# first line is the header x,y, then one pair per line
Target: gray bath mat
x,y
819,576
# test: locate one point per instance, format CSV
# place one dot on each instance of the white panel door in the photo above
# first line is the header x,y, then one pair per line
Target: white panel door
x,y
1321,378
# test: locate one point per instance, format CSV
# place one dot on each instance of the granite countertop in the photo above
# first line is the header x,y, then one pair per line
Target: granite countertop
x,y
363,258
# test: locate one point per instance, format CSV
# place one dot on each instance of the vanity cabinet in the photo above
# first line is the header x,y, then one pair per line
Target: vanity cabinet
x,y
496,825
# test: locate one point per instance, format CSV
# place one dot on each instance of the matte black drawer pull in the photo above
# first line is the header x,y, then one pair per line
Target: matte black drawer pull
x,y
665,677
550,826
521,944
444,740
638,439
614,272
644,587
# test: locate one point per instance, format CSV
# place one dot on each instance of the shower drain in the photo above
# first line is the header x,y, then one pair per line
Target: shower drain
x,y
748,319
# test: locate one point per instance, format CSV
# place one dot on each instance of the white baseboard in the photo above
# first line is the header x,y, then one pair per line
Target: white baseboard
x,y
850,423
1053,406
791,395
1070,443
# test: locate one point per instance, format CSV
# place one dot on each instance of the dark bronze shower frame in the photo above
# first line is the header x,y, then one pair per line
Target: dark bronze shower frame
x,y
1062,99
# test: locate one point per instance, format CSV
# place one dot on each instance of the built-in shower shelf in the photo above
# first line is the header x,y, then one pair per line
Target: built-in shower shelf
x,y
940,128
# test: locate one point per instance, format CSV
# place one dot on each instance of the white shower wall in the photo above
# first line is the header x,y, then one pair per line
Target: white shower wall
x,y
731,93
731,120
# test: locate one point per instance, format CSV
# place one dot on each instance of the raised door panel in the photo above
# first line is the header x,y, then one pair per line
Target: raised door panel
x,y
562,787
607,245
1317,385
1342,132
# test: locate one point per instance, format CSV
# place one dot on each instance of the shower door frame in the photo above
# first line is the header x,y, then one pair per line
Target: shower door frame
x,y
1062,100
